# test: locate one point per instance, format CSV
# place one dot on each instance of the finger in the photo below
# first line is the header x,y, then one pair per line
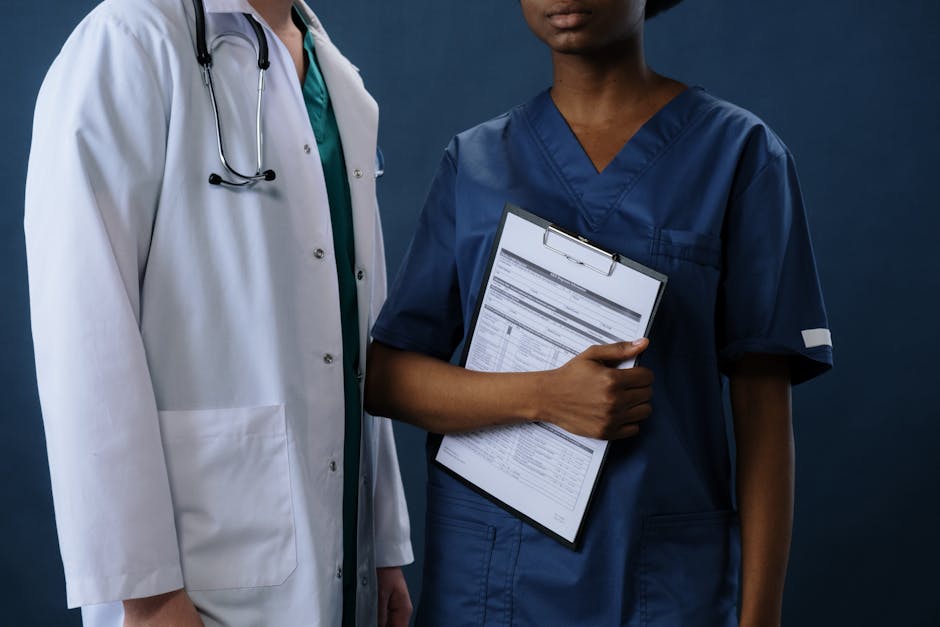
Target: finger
x,y
616,353
631,378
626,431
628,400
637,414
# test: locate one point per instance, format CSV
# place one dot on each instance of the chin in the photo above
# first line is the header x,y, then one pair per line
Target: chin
x,y
571,43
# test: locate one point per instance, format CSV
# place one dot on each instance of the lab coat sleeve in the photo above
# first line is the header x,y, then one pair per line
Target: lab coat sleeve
x,y
392,526
93,184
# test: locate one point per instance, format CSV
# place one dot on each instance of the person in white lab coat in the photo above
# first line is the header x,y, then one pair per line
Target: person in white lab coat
x,y
189,336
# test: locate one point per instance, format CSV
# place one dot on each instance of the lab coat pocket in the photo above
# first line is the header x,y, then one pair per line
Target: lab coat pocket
x,y
230,483
689,569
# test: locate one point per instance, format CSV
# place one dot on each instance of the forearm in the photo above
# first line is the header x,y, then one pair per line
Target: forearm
x,y
588,396
760,394
439,397
173,608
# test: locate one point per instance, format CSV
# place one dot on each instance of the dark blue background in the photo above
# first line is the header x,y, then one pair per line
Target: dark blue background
x,y
850,86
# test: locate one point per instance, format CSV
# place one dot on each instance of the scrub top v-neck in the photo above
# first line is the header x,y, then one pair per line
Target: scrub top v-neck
x,y
705,193
330,146
595,193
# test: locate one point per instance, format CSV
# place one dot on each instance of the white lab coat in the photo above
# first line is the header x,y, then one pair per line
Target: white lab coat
x,y
188,338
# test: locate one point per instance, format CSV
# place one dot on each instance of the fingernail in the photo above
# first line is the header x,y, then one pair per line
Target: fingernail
x,y
638,341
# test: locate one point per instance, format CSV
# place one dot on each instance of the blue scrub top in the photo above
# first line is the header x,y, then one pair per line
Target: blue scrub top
x,y
705,193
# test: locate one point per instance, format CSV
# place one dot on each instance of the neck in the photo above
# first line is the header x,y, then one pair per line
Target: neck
x,y
275,12
594,85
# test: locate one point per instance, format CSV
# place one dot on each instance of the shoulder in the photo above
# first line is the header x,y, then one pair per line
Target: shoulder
x,y
126,34
485,137
737,142
121,47
739,130
153,25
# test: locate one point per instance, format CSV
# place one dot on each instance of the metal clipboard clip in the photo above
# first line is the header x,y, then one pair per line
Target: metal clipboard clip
x,y
613,258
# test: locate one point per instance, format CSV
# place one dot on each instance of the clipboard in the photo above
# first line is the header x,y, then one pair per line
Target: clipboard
x,y
559,292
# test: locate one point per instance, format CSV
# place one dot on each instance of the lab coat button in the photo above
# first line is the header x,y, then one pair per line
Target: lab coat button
x,y
307,148
360,275
332,466
319,253
357,173
339,572
365,582
327,359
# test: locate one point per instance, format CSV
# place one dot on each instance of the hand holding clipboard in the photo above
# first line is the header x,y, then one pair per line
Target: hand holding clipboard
x,y
603,397
548,296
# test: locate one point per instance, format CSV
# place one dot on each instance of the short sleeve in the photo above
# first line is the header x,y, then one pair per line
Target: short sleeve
x,y
770,299
423,313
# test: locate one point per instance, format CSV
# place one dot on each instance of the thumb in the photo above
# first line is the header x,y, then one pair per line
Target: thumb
x,y
616,353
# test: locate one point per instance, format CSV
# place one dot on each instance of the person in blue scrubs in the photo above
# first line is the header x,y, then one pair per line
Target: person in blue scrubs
x,y
696,188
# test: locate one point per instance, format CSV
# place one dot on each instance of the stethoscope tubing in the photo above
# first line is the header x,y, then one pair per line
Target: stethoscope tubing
x,y
204,58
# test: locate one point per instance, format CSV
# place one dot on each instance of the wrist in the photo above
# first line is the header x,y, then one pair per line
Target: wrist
x,y
145,607
532,408
765,616
171,608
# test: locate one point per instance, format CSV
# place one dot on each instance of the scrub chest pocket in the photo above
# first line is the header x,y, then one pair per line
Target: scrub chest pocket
x,y
230,483
698,248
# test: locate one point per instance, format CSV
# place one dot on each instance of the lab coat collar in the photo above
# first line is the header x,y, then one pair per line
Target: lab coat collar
x,y
228,6
243,6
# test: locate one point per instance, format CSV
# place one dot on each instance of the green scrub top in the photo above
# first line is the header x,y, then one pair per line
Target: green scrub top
x,y
326,131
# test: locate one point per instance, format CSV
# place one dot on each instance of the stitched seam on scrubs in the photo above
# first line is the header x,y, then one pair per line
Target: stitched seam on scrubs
x,y
694,253
774,156
487,564
510,584
821,355
644,573
630,184
404,342
787,161
550,160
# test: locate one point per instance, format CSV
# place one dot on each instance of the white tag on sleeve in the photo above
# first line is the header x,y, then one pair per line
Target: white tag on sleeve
x,y
816,337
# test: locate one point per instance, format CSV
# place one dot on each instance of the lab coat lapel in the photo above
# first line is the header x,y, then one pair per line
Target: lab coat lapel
x,y
357,116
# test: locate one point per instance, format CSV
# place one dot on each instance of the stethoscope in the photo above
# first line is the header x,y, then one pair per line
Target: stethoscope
x,y
205,60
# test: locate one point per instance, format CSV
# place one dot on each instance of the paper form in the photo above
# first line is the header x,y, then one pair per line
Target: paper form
x,y
545,302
